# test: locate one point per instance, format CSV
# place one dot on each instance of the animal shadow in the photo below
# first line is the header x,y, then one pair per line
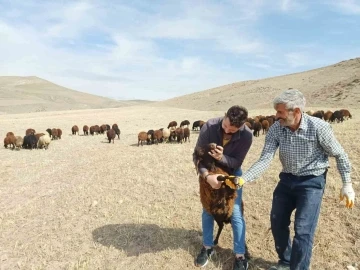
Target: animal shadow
x,y
136,239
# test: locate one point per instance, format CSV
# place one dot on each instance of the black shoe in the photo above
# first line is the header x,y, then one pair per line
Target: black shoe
x,y
240,264
204,256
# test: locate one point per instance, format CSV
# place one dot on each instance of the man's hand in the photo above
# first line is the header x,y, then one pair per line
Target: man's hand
x,y
217,153
213,182
348,193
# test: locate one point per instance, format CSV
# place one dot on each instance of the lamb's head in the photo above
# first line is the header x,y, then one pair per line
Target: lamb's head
x,y
203,157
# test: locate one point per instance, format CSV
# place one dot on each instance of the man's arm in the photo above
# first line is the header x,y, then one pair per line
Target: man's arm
x,y
267,154
333,148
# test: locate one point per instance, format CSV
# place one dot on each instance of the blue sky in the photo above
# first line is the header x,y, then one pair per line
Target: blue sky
x,y
157,50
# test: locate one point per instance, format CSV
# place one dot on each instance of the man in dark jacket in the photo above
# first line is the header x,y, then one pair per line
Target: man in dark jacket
x,y
233,139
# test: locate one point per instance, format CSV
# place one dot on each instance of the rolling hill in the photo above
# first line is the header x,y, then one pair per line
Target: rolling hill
x,y
336,85
33,94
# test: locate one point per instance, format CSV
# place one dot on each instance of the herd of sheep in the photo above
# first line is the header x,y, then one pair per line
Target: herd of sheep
x,y
172,133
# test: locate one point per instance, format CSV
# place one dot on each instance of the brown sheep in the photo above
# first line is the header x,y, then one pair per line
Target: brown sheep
x,y
103,128
179,135
186,134
346,114
185,123
30,131
54,134
158,134
92,130
10,140
271,120
327,116
217,202
172,124
142,137
10,133
75,129
59,133
111,135
114,125
86,130
97,129
257,127
265,126
248,125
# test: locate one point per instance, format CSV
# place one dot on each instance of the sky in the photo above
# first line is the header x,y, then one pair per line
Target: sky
x,y
156,50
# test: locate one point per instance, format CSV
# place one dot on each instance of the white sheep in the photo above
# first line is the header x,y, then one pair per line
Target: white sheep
x,y
44,141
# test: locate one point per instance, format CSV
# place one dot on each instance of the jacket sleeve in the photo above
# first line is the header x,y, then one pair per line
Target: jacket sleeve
x,y
203,139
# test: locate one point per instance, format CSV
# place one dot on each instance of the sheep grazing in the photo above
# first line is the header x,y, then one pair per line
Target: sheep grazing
x,y
217,202
185,123
114,125
97,129
49,131
86,130
172,124
103,128
54,134
327,116
150,137
179,135
10,140
158,134
92,130
166,134
186,134
111,135
265,126
117,131
197,125
338,116
59,132
257,127
19,142
30,142
44,142
108,127
346,114
142,137
75,129
30,131
10,133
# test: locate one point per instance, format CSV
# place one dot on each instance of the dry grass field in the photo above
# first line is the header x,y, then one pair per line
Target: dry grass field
x,y
88,204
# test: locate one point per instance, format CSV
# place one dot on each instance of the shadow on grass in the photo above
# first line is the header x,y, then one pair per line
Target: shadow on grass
x,y
137,239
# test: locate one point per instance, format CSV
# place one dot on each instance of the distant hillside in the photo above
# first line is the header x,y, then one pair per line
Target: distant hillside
x,y
337,85
32,94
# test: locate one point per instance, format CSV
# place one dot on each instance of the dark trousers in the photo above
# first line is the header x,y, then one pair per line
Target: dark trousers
x,y
303,193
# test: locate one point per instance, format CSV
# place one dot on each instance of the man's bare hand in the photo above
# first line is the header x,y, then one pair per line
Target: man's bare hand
x,y
217,153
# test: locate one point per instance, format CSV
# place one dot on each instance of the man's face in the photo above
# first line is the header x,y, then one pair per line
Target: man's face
x,y
285,116
228,129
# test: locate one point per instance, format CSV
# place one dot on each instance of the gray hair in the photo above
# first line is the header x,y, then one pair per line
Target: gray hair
x,y
292,98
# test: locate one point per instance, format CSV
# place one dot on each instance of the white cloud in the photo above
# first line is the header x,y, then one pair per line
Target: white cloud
x,y
351,7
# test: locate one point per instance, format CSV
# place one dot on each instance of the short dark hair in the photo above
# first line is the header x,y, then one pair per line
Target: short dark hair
x,y
237,115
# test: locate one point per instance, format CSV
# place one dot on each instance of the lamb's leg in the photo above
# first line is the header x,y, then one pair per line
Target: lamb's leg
x,y
221,226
